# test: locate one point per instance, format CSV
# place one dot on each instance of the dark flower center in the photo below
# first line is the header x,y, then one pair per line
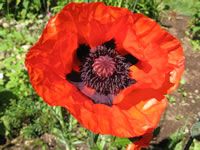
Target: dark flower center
x,y
105,71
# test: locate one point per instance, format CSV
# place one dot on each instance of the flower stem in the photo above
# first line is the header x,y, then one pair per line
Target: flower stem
x,y
57,111
93,138
134,5
189,143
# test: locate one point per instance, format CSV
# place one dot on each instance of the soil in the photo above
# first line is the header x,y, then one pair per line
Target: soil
x,y
184,110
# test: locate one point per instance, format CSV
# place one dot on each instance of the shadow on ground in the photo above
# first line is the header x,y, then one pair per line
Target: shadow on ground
x,y
5,98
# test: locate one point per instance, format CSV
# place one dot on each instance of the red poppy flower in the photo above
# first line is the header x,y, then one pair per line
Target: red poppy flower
x,y
108,66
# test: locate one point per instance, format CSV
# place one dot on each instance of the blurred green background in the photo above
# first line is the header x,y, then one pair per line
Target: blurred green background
x,y
26,122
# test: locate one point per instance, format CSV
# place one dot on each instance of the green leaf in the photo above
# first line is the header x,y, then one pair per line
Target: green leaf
x,y
195,29
156,132
25,4
1,6
179,146
121,142
17,2
195,131
196,145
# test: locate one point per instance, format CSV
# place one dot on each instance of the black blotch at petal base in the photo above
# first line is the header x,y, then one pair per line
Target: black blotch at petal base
x,y
110,44
82,52
131,59
74,76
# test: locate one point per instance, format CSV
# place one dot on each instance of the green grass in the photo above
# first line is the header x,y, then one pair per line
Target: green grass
x,y
186,7
189,8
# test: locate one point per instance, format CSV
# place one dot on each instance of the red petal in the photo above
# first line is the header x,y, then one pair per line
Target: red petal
x,y
141,117
159,53
51,59
142,143
138,108
97,23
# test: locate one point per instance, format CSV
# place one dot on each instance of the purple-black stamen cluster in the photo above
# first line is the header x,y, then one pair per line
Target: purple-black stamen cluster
x,y
112,84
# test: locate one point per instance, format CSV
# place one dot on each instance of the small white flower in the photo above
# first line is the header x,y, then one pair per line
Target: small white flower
x,y
1,75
